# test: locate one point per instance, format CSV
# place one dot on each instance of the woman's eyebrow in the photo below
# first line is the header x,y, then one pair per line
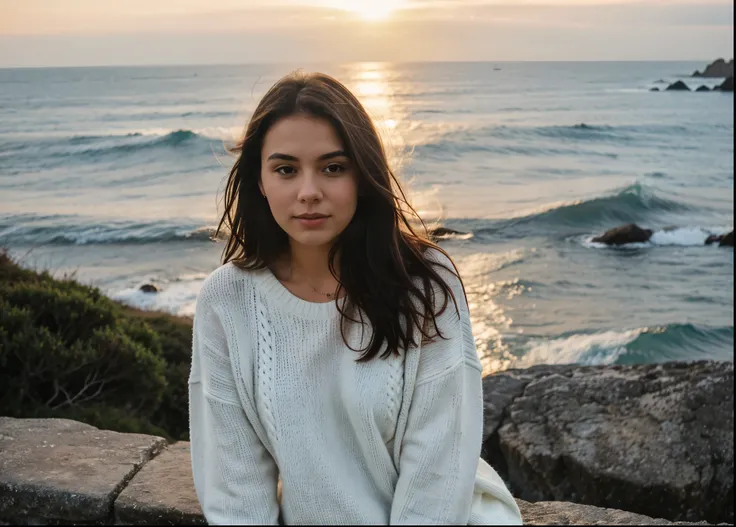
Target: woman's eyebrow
x,y
330,155
287,157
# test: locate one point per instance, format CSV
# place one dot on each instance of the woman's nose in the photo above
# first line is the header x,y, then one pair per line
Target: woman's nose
x,y
309,188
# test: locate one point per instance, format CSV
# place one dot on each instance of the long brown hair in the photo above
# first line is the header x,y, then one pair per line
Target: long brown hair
x,y
381,253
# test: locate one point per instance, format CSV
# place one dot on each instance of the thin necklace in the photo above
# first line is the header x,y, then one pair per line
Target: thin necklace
x,y
328,295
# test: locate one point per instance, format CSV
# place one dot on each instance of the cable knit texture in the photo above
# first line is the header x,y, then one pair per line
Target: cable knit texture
x,y
276,394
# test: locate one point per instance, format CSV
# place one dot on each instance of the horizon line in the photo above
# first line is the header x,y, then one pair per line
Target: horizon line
x,y
333,63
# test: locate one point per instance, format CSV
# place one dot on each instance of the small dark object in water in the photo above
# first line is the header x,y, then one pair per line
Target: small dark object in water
x,y
654,89
660,81
727,85
439,232
678,86
149,288
630,233
703,88
724,240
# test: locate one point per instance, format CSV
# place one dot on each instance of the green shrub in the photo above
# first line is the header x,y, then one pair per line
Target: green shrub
x,y
175,335
66,350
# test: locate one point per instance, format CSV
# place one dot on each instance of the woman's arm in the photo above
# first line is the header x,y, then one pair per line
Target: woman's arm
x,y
234,475
442,441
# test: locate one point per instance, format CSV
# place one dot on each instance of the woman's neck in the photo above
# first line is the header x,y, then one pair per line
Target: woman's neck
x,y
309,265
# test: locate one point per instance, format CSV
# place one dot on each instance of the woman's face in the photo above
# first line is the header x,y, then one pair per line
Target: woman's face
x,y
304,171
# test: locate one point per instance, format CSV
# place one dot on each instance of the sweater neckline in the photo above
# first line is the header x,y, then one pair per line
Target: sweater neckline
x,y
279,295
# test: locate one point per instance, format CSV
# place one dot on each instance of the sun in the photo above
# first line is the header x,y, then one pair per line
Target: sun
x,y
370,9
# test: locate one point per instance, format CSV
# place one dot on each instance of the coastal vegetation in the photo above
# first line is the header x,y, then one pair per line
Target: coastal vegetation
x,y
68,351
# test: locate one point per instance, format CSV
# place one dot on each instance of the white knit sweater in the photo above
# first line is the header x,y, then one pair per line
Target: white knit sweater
x,y
276,394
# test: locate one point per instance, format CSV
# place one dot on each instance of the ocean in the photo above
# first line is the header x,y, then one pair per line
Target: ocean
x,y
114,175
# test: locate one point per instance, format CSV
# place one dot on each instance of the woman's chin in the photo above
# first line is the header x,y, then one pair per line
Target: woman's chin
x,y
313,239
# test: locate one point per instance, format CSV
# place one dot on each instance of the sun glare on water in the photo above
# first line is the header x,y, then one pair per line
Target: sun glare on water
x,y
369,9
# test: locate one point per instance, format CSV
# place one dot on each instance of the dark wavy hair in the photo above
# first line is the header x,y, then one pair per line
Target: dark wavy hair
x,y
382,257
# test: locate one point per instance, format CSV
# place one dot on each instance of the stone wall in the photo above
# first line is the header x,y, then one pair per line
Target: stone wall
x,y
61,471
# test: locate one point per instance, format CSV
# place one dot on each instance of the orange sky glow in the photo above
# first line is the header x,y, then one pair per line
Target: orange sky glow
x,y
91,32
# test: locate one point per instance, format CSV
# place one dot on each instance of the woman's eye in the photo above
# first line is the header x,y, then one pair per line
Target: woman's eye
x,y
285,170
334,168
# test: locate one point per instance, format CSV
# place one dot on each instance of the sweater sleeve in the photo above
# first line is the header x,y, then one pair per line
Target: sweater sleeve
x,y
442,442
235,477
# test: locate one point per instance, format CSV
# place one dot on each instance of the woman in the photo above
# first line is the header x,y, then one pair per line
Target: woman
x,y
333,349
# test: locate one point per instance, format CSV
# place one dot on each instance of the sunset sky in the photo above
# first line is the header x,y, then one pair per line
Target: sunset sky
x,y
115,32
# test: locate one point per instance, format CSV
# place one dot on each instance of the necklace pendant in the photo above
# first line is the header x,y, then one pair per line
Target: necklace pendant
x,y
328,295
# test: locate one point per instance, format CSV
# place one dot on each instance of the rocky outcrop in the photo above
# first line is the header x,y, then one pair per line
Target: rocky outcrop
x,y
439,233
145,482
630,233
727,240
725,86
716,69
650,439
678,86
723,240
149,288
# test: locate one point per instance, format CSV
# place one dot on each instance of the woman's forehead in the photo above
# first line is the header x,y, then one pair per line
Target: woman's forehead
x,y
301,136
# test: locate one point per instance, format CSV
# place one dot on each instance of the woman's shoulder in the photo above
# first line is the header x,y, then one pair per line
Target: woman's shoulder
x,y
225,284
437,255
443,265
449,273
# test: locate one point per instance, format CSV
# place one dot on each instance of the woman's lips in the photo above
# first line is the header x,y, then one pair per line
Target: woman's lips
x,y
312,222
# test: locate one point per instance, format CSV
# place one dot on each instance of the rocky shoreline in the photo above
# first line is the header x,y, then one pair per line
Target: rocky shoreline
x,y
651,439
718,69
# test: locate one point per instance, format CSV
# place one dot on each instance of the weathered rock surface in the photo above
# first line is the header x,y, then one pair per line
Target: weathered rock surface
x,y
678,86
162,493
630,233
57,470
562,513
727,85
717,68
651,439
68,488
